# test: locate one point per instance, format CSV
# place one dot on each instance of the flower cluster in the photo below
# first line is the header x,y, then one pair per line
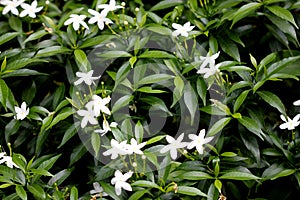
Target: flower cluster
x,y
198,141
97,17
28,9
122,148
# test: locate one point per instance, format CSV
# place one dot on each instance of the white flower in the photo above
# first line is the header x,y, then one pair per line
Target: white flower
x,y
11,6
297,103
210,62
30,10
182,30
120,181
117,149
109,7
99,105
106,127
100,18
173,145
21,112
290,124
7,160
198,141
88,116
97,191
134,147
85,77
76,21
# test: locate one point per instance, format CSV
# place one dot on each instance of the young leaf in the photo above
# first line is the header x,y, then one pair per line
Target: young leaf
x,y
21,192
218,126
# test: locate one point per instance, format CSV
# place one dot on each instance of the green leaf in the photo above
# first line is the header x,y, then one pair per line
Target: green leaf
x,y
110,190
3,65
159,29
137,195
115,54
251,125
240,100
37,191
8,36
96,40
238,85
146,184
63,114
218,185
191,191
245,11
52,51
77,153
120,103
276,171
139,132
21,72
155,78
156,54
15,23
81,59
218,126
282,13
36,35
155,139
70,132
60,177
193,175
228,154
42,172
238,176
21,192
190,100
74,193
166,4
230,48
6,97
272,100
22,62
278,66
96,142
149,90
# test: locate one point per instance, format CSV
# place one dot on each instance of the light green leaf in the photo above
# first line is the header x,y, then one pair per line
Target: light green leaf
x,y
155,139
52,51
190,100
191,191
42,172
120,103
155,78
137,195
96,40
74,193
166,4
218,126
240,100
272,100
245,11
63,114
139,132
156,54
282,13
21,192
36,35
115,54
37,191
159,29
22,72
239,176
146,184
96,142
193,175
8,36
22,62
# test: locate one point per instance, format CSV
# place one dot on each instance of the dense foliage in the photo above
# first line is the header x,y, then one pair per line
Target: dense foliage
x,y
171,99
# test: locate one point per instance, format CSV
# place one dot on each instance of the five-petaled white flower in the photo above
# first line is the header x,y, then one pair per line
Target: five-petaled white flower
x,y
106,127
208,66
98,190
289,124
99,105
120,181
22,111
198,141
30,10
296,103
88,116
100,18
117,149
173,145
85,77
11,6
76,21
7,160
134,147
109,7
182,30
